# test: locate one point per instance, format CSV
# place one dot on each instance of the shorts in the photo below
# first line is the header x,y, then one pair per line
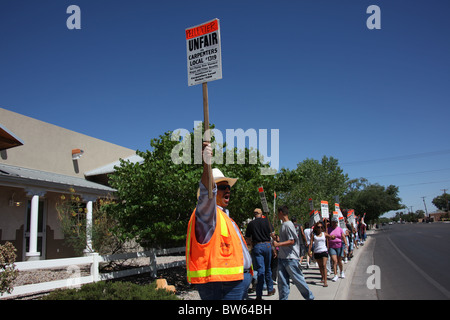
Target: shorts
x,y
320,255
336,251
303,250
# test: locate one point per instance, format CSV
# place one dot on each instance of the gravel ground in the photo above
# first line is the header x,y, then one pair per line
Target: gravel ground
x,y
175,276
47,275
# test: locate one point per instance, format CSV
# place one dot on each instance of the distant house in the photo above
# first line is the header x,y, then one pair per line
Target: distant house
x,y
437,215
39,162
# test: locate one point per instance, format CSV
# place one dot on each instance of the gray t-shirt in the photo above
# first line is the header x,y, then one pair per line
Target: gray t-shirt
x,y
287,232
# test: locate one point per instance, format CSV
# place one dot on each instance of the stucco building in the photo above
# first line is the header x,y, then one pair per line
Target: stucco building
x,y
39,162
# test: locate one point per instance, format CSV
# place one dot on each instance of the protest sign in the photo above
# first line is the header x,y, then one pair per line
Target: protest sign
x,y
337,209
316,216
262,195
340,215
351,217
204,63
341,222
324,209
311,218
204,57
335,215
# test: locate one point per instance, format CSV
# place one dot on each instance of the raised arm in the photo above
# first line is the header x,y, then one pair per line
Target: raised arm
x,y
205,212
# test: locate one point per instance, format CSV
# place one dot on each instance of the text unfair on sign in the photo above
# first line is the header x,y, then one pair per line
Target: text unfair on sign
x,y
204,58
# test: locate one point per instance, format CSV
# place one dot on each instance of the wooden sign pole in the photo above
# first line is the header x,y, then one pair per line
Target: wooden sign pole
x,y
207,137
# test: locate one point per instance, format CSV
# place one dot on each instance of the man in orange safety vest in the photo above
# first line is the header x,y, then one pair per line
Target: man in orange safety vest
x,y
217,257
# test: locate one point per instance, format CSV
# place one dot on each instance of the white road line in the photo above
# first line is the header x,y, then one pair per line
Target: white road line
x,y
424,274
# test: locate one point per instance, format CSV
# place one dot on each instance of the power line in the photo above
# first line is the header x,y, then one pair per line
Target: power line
x,y
406,173
416,184
397,158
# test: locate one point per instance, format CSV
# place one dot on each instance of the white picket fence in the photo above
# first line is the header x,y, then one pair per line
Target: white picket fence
x,y
94,260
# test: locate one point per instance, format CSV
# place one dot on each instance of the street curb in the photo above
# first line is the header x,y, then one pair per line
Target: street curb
x,y
343,289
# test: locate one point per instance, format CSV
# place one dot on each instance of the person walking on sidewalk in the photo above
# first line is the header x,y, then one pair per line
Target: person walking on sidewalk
x,y
259,233
301,239
350,241
288,257
307,233
362,231
319,242
336,249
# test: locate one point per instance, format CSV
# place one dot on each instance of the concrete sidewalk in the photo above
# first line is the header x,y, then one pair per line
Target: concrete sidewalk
x,y
338,290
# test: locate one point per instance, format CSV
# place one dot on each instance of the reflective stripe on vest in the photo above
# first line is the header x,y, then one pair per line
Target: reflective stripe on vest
x,y
215,272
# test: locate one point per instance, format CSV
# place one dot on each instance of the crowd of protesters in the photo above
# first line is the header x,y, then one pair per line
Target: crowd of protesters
x,y
218,259
327,244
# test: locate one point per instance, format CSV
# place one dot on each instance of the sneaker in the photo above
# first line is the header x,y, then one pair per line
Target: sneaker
x,y
335,278
342,275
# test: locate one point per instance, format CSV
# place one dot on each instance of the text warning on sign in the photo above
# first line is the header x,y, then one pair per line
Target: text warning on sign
x,y
204,58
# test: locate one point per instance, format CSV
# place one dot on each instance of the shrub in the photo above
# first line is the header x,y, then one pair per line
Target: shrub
x,y
112,290
72,217
8,273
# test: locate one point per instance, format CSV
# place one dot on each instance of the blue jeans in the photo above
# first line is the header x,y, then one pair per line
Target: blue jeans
x,y
336,251
262,253
289,268
231,290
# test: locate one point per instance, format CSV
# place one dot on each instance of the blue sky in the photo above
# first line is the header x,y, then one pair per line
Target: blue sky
x,y
377,100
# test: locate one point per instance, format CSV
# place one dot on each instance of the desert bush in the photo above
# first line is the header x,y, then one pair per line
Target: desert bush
x,y
112,290
8,272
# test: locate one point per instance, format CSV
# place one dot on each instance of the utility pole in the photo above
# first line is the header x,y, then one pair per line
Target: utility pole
x,y
445,197
426,212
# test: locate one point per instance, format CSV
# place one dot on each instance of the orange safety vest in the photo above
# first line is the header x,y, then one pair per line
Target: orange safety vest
x,y
220,259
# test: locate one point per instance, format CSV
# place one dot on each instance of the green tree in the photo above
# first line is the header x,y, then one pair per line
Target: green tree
x,y
441,202
322,180
244,194
155,199
372,199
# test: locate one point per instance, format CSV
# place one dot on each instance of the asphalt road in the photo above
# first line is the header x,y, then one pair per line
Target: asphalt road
x,y
412,262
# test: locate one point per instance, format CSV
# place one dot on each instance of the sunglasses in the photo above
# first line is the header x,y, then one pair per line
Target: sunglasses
x,y
223,187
